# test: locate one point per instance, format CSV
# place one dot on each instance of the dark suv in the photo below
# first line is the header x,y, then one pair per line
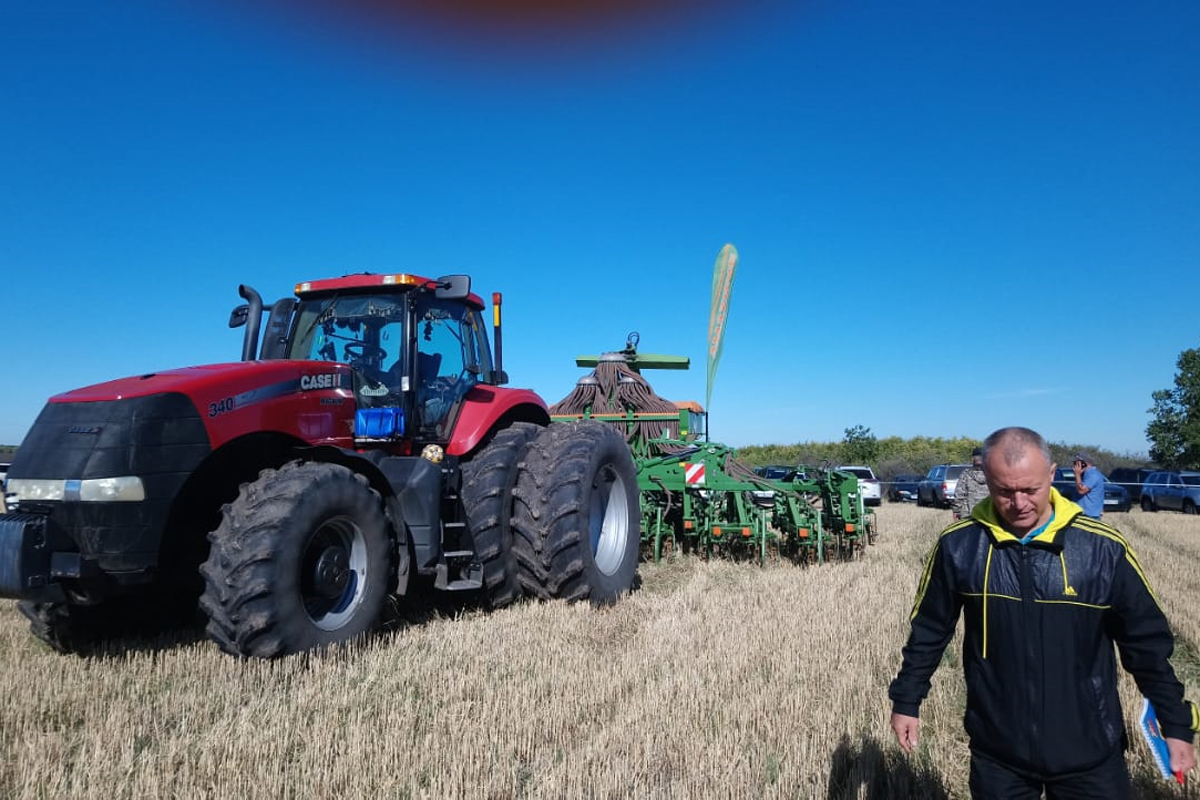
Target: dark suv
x,y
1132,479
902,488
1169,489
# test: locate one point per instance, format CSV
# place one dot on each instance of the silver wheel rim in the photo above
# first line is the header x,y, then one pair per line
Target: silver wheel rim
x,y
332,603
609,522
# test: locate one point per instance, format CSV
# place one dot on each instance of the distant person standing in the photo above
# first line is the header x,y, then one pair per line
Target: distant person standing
x,y
1089,486
972,486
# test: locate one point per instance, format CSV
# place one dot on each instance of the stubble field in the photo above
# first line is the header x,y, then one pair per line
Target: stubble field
x,y
714,680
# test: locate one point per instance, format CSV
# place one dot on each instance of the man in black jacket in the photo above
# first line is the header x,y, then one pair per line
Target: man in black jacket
x,y
1045,593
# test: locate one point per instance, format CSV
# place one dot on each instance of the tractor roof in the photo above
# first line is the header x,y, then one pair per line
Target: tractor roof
x,y
371,281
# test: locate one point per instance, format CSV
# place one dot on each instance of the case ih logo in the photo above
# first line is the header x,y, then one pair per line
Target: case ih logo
x,y
329,380
693,474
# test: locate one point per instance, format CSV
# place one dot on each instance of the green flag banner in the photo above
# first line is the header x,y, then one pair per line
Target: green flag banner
x,y
722,287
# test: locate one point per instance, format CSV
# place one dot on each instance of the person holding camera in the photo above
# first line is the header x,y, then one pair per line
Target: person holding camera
x,y
1089,486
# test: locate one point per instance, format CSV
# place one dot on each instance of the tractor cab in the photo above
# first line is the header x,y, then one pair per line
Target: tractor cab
x,y
416,346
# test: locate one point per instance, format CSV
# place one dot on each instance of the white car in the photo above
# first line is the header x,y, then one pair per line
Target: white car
x,y
868,485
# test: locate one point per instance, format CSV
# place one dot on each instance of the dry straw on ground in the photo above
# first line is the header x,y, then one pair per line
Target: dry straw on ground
x,y
715,680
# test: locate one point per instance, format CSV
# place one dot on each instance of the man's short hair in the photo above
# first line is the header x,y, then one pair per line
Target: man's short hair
x,y
1084,457
1012,443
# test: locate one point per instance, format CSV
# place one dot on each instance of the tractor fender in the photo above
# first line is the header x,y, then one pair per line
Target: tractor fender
x,y
483,409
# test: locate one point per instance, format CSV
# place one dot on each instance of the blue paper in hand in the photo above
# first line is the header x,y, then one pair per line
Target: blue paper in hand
x,y
1148,725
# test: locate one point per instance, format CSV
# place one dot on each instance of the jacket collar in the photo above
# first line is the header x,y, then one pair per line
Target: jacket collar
x,y
1065,512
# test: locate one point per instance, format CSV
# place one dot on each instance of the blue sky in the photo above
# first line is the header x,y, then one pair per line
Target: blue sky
x,y
951,216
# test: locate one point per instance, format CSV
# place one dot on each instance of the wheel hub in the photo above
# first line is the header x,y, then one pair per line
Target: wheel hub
x,y
332,572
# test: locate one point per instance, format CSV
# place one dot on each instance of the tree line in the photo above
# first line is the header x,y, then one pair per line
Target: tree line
x,y
1173,434
893,455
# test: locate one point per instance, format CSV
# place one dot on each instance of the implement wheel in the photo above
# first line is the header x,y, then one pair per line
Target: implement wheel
x,y
300,560
575,517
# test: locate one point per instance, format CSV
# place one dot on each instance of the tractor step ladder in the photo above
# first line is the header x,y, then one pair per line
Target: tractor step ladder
x,y
469,572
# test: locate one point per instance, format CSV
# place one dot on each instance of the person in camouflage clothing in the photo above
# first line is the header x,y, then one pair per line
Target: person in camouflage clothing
x,y
972,486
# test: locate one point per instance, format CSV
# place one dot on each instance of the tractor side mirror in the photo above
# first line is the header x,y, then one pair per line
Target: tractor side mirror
x,y
238,317
453,287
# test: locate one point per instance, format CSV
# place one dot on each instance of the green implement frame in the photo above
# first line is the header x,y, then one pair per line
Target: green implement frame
x,y
695,495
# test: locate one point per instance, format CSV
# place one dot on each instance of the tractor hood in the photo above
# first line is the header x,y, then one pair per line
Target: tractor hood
x,y
198,382
309,401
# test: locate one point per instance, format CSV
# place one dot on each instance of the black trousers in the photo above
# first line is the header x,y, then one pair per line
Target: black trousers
x,y
992,780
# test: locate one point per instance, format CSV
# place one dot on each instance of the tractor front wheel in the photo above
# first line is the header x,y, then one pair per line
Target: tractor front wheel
x,y
576,514
299,561
81,629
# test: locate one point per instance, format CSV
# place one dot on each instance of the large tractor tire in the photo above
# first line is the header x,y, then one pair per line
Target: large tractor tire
x,y
576,517
59,625
301,560
81,629
487,497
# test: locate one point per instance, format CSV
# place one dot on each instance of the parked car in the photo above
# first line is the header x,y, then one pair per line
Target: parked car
x,y
1132,479
868,485
903,488
772,472
1179,491
1116,496
937,487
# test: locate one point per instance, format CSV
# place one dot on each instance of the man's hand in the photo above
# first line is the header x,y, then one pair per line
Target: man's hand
x,y
1183,754
906,734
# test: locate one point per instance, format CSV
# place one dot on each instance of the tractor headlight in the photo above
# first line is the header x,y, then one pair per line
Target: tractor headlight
x,y
128,488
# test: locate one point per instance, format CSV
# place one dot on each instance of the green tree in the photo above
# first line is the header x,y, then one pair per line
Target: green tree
x,y
1174,433
859,446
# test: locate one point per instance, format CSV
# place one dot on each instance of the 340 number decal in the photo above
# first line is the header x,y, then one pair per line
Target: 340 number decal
x,y
222,406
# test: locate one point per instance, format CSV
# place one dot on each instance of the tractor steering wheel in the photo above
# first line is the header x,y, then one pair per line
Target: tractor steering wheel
x,y
361,352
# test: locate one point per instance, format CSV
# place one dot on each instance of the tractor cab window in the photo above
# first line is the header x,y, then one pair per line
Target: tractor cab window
x,y
449,360
366,332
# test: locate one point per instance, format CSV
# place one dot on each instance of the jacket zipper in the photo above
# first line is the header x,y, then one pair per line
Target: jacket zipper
x,y
1031,636
987,572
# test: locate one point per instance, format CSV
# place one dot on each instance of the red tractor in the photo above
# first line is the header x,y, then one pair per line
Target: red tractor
x,y
367,447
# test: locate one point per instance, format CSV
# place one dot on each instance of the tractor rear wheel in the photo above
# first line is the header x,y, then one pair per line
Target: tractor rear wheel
x,y
299,561
487,498
576,519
